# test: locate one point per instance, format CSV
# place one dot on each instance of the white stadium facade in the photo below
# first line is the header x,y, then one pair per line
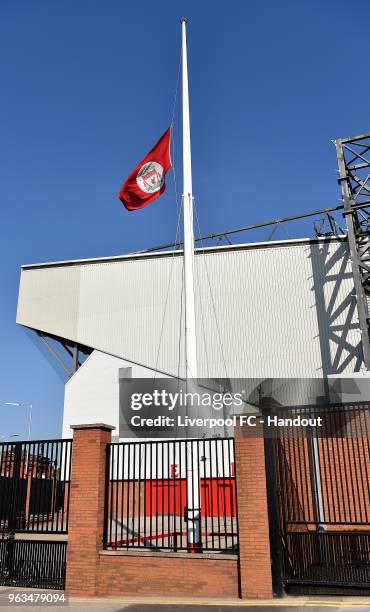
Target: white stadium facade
x,y
282,309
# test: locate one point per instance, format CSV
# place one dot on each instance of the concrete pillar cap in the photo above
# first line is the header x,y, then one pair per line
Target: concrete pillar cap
x,y
94,426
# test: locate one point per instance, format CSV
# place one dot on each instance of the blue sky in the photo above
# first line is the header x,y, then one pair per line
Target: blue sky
x,y
87,89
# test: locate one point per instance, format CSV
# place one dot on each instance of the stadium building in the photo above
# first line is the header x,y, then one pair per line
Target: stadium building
x,y
282,309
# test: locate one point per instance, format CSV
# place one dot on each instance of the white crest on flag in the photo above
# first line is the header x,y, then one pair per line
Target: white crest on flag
x,y
150,177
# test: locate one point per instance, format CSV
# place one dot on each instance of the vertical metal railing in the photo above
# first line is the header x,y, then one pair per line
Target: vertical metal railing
x,y
323,478
147,488
35,486
335,477
32,563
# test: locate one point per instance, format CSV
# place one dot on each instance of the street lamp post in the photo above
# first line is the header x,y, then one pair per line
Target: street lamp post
x,y
29,406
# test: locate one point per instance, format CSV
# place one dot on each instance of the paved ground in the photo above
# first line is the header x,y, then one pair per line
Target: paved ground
x,y
107,604
99,607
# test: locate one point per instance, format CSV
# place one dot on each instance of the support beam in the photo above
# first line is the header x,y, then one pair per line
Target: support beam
x,y
226,233
54,353
72,349
75,358
354,179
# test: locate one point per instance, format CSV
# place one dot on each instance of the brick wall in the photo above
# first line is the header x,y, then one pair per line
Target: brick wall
x,y
90,571
254,540
179,575
86,509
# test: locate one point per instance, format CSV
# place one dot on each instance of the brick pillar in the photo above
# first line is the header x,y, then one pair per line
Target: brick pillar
x,y
254,543
86,508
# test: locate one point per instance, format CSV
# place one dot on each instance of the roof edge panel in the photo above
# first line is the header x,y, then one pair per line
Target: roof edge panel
x,y
198,250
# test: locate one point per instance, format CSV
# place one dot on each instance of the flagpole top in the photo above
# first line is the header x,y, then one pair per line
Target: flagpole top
x,y
183,20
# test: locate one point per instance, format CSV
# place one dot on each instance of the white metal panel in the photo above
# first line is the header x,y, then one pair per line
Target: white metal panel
x,y
139,302
282,311
92,394
48,300
265,313
276,310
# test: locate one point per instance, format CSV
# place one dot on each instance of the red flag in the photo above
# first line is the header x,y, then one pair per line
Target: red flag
x,y
146,183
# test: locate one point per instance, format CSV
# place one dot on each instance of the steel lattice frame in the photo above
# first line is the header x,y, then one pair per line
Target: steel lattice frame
x,y
354,178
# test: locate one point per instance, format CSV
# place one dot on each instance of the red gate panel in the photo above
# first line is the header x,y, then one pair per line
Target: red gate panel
x,y
168,496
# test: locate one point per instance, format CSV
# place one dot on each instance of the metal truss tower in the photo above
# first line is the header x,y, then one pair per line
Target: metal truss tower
x,y
354,178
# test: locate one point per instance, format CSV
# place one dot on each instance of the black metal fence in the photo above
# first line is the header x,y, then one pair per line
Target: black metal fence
x,y
175,494
31,563
34,486
323,484
329,558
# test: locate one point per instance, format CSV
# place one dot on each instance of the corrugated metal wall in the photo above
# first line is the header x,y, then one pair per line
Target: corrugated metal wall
x,y
279,310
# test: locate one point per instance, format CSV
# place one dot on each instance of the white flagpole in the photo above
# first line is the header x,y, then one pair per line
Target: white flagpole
x,y
190,342
193,484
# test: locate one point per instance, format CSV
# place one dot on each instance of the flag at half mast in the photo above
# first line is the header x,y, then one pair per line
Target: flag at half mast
x,y
147,182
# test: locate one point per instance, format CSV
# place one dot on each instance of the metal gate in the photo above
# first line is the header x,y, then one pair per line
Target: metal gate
x,y
147,494
34,502
323,479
